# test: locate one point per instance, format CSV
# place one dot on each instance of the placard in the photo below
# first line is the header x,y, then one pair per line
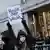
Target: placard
x,y
14,14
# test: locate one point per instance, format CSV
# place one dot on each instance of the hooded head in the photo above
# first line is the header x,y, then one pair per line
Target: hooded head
x,y
21,33
21,36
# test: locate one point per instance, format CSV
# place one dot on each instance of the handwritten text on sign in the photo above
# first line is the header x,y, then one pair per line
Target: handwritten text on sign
x,y
14,13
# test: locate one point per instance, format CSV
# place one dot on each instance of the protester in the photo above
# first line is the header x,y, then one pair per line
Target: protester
x,y
30,40
19,42
9,38
21,39
7,45
16,41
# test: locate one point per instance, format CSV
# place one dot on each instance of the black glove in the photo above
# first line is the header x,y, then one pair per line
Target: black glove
x,y
8,24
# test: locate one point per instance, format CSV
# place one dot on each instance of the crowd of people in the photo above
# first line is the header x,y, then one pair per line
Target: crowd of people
x,y
11,41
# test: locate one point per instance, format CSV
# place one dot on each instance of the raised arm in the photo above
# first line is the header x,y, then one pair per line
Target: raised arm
x,y
26,27
10,30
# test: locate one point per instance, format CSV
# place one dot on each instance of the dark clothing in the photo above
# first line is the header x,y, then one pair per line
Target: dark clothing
x,y
30,41
47,41
0,49
8,47
32,48
20,43
19,48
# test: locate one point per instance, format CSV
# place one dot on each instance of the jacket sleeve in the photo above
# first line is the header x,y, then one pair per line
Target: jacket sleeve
x,y
11,33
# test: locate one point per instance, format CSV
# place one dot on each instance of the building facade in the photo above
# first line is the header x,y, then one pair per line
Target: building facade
x,y
38,11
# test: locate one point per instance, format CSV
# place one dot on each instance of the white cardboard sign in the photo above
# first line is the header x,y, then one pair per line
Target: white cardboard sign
x,y
14,14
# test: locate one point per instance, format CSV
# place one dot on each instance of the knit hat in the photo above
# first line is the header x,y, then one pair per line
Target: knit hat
x,y
21,33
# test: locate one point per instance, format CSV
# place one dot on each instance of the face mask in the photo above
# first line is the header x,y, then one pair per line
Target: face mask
x,y
22,39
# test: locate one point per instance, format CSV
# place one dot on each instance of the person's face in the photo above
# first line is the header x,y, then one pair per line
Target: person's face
x,y
22,38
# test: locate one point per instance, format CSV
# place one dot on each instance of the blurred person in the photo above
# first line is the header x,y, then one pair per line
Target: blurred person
x,y
40,41
21,40
41,35
47,41
30,40
7,45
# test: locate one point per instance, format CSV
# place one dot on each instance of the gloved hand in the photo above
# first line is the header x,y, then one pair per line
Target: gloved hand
x,y
8,24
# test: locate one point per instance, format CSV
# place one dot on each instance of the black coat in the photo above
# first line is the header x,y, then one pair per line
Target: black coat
x,y
8,47
30,41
